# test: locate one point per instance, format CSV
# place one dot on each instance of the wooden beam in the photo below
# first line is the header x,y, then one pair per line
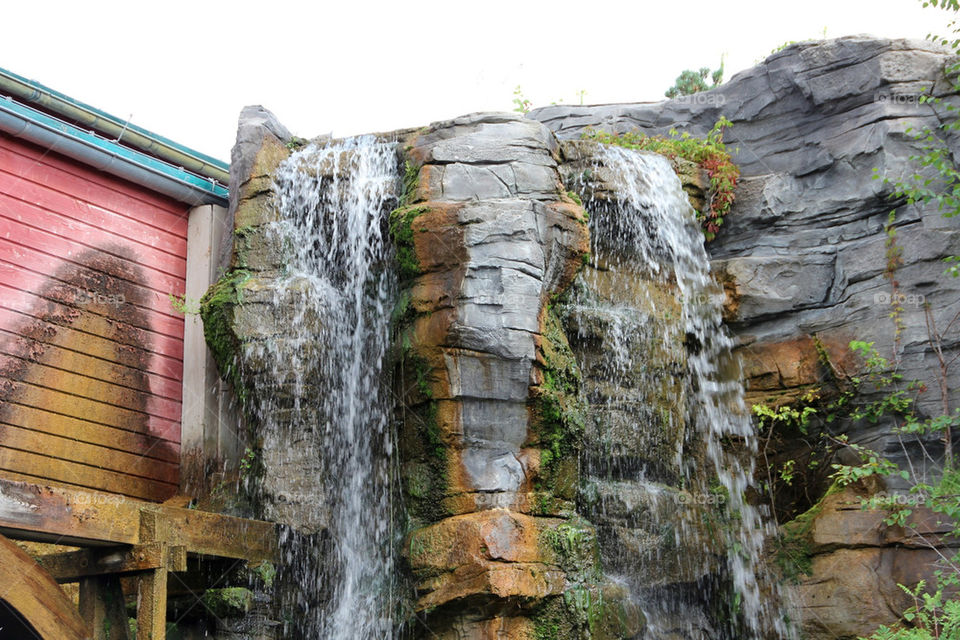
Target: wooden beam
x,y
102,607
152,585
74,565
34,594
86,518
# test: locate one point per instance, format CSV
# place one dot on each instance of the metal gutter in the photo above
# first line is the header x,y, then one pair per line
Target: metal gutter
x,y
109,126
109,156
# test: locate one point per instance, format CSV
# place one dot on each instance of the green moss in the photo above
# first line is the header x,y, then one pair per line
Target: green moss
x,y
425,478
401,230
573,195
242,245
411,180
794,553
562,411
228,602
551,621
403,311
573,545
266,573
425,544
584,612
708,152
295,143
216,310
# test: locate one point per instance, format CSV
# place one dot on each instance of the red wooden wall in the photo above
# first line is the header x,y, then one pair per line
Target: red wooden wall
x,y
91,350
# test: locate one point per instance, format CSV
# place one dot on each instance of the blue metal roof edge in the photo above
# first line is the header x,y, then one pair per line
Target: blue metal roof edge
x,y
154,165
106,116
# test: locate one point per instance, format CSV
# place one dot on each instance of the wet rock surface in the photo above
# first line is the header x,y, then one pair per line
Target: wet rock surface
x,y
803,253
489,386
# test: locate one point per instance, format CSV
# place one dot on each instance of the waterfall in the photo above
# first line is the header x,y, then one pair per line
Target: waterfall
x,y
646,320
333,202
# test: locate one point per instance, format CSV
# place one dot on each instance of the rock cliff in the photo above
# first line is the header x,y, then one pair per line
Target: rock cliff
x,y
803,257
517,450
489,389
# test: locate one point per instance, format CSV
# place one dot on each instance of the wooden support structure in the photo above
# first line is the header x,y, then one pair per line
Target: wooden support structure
x,y
102,607
26,587
73,566
152,584
78,517
121,536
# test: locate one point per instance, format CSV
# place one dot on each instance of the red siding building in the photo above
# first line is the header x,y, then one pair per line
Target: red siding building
x,y
93,243
114,425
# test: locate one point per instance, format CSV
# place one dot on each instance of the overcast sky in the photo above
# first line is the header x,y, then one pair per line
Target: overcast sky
x,y
185,69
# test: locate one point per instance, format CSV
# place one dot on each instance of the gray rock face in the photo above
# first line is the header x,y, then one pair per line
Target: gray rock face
x,y
805,243
500,172
255,125
803,252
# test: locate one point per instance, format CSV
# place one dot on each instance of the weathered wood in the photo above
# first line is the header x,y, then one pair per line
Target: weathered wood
x,y
72,232
152,605
155,316
178,500
73,565
90,432
26,587
90,184
84,409
102,607
80,517
112,459
13,318
27,346
67,472
152,585
51,377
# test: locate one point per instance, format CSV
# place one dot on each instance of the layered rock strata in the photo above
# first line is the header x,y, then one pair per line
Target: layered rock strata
x,y
491,416
803,257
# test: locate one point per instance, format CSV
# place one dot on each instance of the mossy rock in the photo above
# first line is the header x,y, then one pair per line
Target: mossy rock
x,y
217,309
561,412
588,612
794,547
230,602
401,231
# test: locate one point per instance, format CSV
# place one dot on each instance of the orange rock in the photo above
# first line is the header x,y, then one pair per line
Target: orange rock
x,y
496,553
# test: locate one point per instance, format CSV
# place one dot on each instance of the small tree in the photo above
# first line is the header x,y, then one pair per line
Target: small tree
x,y
690,82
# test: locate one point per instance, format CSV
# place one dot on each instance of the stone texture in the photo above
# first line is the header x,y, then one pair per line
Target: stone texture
x,y
489,256
495,552
489,388
803,254
259,149
857,561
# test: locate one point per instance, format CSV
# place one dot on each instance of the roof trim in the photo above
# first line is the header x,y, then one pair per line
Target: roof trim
x,y
65,107
28,123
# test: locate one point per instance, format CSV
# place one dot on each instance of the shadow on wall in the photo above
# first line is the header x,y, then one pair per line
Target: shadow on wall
x,y
75,383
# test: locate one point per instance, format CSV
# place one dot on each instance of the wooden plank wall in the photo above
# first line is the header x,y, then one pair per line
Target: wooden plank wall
x,y
91,350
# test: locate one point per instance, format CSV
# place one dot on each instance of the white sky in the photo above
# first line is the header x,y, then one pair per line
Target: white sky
x,y
185,69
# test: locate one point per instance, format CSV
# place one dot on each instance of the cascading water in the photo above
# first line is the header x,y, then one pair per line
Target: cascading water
x,y
661,360
335,405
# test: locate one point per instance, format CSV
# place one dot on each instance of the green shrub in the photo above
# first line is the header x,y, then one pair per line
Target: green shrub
x,y
709,152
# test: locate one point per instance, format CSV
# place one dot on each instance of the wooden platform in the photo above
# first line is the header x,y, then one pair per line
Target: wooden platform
x,y
122,537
